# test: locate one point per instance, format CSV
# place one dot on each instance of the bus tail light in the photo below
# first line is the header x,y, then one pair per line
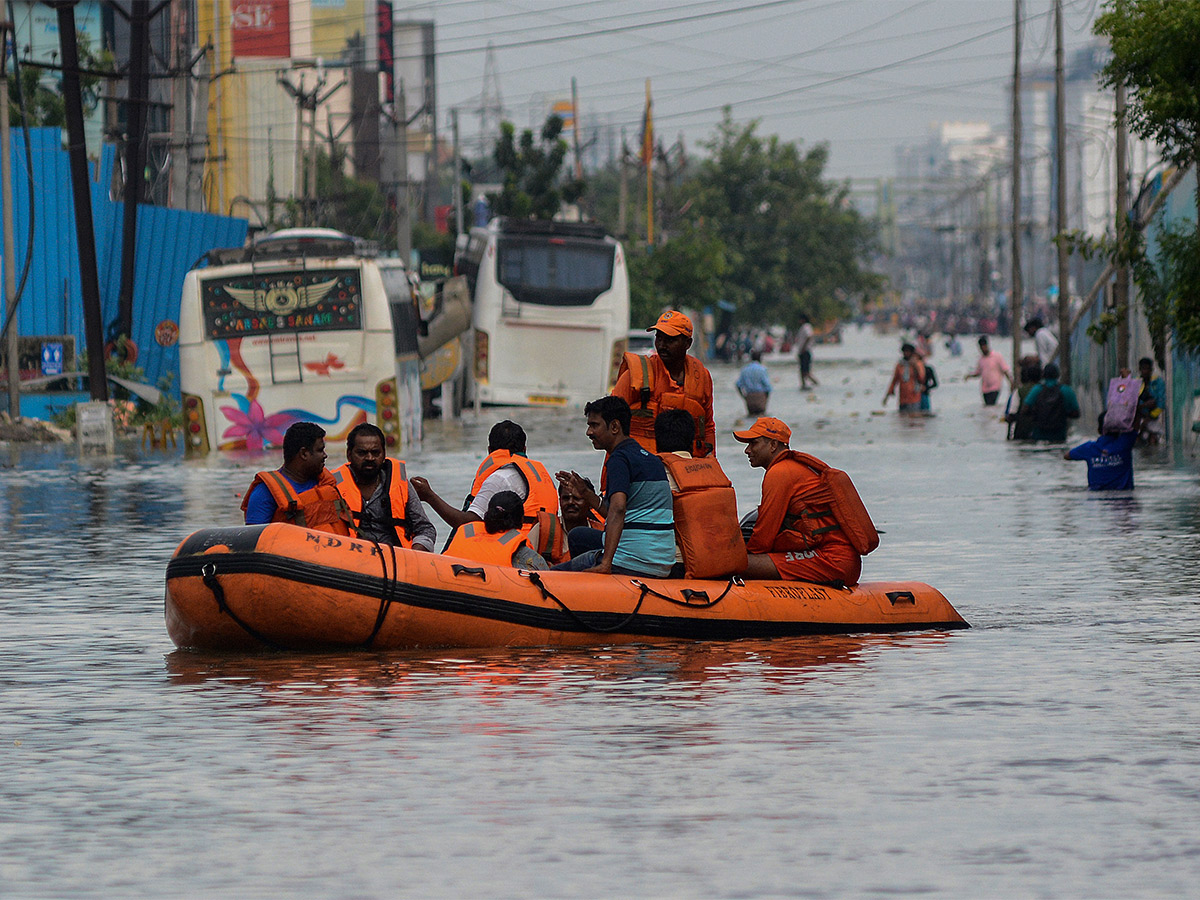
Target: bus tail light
x,y
387,413
481,356
618,354
195,430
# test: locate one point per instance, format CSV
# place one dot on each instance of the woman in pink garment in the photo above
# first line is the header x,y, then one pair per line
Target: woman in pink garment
x,y
991,370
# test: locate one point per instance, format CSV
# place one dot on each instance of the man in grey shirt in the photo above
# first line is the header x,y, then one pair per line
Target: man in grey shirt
x,y
377,489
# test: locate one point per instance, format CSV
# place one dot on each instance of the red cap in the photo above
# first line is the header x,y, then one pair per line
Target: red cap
x,y
768,427
673,322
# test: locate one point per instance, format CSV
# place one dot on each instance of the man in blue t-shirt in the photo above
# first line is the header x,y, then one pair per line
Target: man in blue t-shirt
x,y
1109,460
639,518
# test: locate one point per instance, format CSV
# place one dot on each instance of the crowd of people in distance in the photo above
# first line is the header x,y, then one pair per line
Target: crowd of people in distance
x,y
664,509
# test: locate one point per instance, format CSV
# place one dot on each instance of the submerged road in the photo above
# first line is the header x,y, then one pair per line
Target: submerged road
x,y
1049,751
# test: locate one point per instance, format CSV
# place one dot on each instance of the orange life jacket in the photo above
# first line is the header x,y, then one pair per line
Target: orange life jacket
x,y
543,489
397,498
834,505
320,508
472,541
706,519
650,398
552,536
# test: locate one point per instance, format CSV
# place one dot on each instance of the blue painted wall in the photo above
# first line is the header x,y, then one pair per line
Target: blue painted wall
x,y
169,242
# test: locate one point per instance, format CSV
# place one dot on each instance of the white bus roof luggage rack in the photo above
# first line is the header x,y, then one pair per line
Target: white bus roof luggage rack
x,y
295,243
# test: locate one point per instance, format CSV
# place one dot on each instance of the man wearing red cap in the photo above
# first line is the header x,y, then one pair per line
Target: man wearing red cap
x,y
796,536
668,379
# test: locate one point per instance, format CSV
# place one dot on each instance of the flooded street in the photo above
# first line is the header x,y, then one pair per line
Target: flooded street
x,y
1051,750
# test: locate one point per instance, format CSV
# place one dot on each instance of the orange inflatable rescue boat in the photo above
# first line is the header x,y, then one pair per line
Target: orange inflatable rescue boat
x,y
287,587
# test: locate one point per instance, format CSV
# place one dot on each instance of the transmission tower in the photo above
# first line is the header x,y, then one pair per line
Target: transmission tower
x,y
491,107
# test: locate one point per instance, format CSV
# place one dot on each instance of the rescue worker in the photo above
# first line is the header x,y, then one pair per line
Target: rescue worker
x,y
796,536
668,379
301,491
376,489
638,537
708,541
498,539
505,468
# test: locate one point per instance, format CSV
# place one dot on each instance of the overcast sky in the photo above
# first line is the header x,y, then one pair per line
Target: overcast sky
x,y
862,75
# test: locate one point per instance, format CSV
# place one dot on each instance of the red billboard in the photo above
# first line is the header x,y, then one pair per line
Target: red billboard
x,y
261,28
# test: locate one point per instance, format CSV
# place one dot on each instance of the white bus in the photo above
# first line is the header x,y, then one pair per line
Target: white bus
x,y
551,311
302,325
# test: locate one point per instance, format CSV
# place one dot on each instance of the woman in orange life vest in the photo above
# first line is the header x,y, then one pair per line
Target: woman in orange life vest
x,y
668,379
377,492
792,539
506,468
497,540
301,491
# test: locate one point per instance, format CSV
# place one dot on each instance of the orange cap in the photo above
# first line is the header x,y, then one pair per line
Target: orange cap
x,y
768,427
673,322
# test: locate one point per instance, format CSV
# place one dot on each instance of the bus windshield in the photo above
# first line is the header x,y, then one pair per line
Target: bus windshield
x,y
555,271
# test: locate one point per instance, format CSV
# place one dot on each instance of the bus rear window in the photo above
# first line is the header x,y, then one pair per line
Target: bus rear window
x,y
282,303
554,272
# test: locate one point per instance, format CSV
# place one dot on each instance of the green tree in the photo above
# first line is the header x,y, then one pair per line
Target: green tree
x,y
689,269
1154,57
531,173
41,97
791,240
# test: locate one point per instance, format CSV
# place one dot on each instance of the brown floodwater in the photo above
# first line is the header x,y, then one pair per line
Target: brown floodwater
x,y
1051,750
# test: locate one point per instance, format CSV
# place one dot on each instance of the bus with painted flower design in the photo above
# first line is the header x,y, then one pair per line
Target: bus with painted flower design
x,y
300,325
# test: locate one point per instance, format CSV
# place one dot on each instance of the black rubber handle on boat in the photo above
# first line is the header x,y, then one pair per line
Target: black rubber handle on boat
x,y
459,569
901,597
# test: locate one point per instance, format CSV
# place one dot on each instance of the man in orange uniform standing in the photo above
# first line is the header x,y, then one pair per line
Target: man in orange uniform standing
x,y
794,538
668,379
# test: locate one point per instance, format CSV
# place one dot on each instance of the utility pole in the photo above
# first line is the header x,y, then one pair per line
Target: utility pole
x,y
85,234
1016,295
623,192
1121,281
137,93
458,201
1060,225
403,219
575,128
10,254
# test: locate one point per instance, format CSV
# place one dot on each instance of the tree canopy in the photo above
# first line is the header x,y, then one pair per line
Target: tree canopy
x,y
1154,57
764,229
532,186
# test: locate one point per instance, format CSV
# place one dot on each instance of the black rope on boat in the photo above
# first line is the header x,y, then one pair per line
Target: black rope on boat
x,y
388,595
536,579
209,574
688,594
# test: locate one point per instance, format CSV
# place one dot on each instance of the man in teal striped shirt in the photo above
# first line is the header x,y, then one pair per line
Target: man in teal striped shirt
x,y
639,519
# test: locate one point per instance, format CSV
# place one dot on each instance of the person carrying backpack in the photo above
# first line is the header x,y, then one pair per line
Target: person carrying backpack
x,y
1051,404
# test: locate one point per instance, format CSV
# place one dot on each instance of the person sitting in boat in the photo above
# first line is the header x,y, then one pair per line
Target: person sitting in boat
x,y
301,491
639,524
506,468
796,536
498,539
708,541
384,507
573,512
